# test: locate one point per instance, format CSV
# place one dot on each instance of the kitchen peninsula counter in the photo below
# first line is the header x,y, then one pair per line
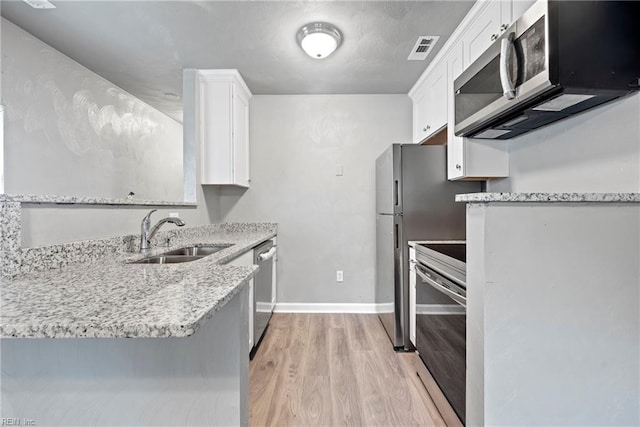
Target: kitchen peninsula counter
x,y
553,303
133,344
110,297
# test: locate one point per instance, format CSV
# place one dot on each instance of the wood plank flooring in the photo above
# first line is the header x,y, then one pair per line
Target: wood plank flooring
x,y
334,370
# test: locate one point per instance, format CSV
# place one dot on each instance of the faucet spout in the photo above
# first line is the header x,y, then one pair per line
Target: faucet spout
x,y
147,232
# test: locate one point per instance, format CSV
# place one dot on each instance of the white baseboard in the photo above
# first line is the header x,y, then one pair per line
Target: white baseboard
x,y
294,307
264,306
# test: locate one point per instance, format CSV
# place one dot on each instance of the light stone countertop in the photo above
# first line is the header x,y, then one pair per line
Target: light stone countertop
x,y
549,198
111,298
83,200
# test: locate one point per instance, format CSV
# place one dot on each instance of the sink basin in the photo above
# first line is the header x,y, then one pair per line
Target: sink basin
x,y
186,254
167,259
197,250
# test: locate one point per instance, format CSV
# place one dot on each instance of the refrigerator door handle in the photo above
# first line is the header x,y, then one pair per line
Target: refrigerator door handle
x,y
396,189
397,236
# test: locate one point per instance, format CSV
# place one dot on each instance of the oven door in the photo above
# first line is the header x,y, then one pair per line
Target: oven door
x,y
441,335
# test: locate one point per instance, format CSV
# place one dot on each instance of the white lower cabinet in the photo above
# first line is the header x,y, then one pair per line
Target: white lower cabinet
x,y
247,259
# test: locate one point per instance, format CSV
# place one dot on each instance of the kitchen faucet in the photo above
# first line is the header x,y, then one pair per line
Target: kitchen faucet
x,y
147,232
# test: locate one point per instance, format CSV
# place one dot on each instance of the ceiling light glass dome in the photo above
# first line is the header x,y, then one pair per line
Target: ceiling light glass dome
x,y
319,39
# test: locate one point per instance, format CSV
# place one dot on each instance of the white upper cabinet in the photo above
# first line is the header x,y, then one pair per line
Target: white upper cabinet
x,y
516,9
432,95
482,31
420,100
430,103
223,127
437,113
490,24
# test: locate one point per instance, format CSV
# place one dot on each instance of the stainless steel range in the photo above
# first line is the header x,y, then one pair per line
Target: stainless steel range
x,y
441,324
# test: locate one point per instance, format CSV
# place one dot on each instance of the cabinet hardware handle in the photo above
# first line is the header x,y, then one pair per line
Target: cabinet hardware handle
x,y
424,129
458,166
508,89
503,27
267,254
494,37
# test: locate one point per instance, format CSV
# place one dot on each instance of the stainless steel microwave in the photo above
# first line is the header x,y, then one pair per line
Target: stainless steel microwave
x,y
558,59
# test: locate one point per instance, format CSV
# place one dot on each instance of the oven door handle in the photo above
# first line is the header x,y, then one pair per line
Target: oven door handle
x,y
427,278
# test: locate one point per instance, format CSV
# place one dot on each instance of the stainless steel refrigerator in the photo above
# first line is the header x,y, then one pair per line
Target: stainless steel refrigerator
x,y
414,201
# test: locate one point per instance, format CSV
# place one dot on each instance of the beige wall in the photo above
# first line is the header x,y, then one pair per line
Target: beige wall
x,y
325,222
597,151
70,132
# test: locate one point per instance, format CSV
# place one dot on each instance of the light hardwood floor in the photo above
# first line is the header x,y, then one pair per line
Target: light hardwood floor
x,y
334,370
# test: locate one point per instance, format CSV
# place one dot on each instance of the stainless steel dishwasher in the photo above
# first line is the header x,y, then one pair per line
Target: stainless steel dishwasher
x,y
262,291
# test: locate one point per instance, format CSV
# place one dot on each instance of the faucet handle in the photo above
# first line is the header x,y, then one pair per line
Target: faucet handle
x,y
147,218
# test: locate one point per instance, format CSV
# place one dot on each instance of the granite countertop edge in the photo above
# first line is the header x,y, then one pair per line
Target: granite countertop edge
x,y
85,200
549,198
202,287
115,330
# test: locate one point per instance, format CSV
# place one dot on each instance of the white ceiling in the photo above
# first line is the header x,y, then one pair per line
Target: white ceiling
x,y
142,46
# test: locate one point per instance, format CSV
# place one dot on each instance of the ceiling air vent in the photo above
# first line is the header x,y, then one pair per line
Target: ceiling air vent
x,y
422,48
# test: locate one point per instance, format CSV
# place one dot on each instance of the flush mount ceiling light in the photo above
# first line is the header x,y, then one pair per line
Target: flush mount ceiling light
x,y
40,4
319,39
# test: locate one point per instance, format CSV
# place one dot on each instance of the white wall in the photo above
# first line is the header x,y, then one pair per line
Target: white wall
x,y
40,87
44,225
325,222
68,131
597,151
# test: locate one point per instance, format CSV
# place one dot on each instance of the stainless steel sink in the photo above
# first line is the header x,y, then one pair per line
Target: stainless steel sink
x,y
197,250
186,254
170,259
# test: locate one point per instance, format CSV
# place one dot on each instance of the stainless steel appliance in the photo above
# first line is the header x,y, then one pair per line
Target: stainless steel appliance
x,y
414,201
558,59
441,325
262,291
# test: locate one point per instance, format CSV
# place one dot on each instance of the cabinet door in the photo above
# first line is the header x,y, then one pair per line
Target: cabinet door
x,y
240,138
455,144
223,127
420,107
437,111
482,32
215,117
430,104
517,8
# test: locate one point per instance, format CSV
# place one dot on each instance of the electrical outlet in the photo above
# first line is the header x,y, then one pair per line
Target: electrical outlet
x,y
174,215
339,276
